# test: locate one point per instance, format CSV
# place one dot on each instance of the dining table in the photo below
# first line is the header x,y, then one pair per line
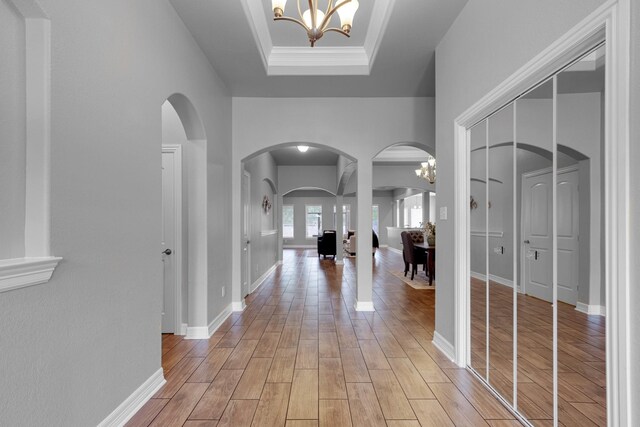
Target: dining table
x,y
431,259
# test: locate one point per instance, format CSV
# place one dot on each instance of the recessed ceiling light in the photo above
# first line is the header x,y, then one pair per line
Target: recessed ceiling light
x,y
303,148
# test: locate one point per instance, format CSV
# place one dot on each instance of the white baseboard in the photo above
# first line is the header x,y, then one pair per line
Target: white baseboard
x,y
299,246
392,249
219,320
444,346
183,329
280,262
205,332
364,306
339,261
238,305
197,333
384,246
493,278
255,285
135,401
597,310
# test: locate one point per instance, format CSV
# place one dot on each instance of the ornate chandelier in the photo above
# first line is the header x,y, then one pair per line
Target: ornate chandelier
x,y
315,21
428,170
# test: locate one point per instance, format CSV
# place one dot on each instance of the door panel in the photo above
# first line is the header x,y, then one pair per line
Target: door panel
x,y
567,236
168,243
246,233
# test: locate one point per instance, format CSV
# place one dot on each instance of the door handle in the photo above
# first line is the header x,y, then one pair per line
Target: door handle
x,y
536,255
167,252
248,241
527,242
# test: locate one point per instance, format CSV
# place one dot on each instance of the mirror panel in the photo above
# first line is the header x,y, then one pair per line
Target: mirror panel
x,y
478,246
580,212
534,341
500,207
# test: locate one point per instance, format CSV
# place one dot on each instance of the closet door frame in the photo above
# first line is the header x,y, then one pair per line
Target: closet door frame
x,y
609,23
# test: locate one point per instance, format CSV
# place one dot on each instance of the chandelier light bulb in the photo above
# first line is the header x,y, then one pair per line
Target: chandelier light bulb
x,y
303,148
346,13
278,7
306,17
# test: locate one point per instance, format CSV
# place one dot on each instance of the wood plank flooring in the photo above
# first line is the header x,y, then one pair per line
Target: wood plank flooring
x,y
300,355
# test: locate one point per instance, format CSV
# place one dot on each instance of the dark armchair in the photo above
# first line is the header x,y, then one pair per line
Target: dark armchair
x,y
327,243
411,255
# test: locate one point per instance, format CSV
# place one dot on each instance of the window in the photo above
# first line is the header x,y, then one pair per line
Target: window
x,y
313,221
375,218
287,222
346,218
413,209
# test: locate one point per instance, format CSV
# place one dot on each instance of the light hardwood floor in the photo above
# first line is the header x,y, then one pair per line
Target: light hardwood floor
x,y
300,355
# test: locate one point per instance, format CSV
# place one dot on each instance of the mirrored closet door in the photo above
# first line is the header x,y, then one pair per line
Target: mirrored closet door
x,y
537,290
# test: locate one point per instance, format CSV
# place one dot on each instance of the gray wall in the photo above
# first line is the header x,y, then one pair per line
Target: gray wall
x,y
76,348
492,38
12,133
264,236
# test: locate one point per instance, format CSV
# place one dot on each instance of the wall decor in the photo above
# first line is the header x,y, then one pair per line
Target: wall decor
x,y
266,204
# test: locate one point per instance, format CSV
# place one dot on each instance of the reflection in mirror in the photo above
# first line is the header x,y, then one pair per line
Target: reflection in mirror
x,y
534,342
580,212
478,246
500,254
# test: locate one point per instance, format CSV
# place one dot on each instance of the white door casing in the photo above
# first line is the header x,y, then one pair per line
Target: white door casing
x,y
171,238
537,219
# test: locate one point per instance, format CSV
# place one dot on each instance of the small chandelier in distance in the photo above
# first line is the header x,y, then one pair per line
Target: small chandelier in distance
x,y
315,21
428,170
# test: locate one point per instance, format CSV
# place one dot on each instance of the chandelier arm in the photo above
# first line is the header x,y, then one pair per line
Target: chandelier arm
x,y
297,21
337,30
330,13
300,11
313,10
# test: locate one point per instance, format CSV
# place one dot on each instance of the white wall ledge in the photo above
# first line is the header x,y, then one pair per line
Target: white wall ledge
x,y
18,273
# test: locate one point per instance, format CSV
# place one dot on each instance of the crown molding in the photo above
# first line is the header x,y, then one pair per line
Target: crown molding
x,y
304,61
327,61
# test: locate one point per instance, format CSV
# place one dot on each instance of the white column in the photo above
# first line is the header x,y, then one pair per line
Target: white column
x,y
278,207
339,225
425,206
364,263
401,218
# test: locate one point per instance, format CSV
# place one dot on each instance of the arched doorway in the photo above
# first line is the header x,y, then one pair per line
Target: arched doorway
x,y
184,250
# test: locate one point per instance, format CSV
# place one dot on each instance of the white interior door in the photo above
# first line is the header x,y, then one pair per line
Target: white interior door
x,y
567,230
537,201
246,233
537,222
168,242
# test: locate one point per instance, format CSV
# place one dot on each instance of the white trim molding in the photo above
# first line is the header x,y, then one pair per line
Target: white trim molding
x,y
319,61
444,346
237,306
197,333
219,320
205,332
135,401
255,285
364,306
591,309
22,272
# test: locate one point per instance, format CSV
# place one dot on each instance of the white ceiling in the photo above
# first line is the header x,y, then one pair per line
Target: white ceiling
x,y
390,53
